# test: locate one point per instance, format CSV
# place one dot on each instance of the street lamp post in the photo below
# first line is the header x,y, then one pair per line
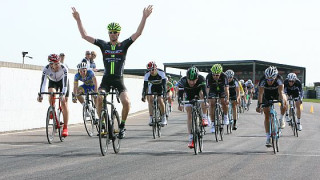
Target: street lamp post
x,y
24,55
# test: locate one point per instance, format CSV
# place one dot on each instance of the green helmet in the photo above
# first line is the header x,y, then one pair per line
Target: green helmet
x,y
216,69
192,73
114,27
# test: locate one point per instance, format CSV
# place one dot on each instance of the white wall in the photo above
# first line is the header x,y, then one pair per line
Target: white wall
x,y
20,110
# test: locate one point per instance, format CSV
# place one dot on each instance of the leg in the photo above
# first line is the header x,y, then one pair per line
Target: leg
x,y
125,105
189,124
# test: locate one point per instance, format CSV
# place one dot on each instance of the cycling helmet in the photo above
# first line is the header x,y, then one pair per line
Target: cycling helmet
x,y
292,76
53,58
229,73
249,81
241,81
151,65
192,73
114,27
82,65
216,69
271,72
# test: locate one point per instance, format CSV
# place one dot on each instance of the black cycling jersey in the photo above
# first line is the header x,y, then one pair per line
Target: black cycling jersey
x,y
271,91
114,56
233,84
216,87
158,85
191,92
295,90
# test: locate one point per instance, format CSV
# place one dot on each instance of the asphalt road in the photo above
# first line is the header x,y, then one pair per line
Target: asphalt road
x,y
242,155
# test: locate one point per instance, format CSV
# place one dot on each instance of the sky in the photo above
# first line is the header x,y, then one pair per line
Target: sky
x,y
281,31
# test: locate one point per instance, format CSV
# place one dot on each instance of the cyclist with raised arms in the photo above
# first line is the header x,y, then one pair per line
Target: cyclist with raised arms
x,y
57,74
114,56
243,92
250,89
192,85
234,90
155,82
89,82
271,88
218,85
293,88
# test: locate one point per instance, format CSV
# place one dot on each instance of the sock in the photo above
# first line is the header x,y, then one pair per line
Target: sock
x,y
190,136
82,104
234,122
281,116
298,120
65,126
123,122
268,135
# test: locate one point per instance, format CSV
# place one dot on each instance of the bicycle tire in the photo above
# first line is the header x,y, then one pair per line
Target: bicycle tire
x,y
200,135
221,125
103,134
61,122
230,125
115,120
88,121
50,125
295,124
273,133
216,124
194,133
158,123
292,122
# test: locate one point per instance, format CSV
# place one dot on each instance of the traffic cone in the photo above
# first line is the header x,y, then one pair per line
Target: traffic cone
x,y
301,107
311,109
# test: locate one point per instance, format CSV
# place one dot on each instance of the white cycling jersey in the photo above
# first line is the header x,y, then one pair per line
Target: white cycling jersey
x,y
62,74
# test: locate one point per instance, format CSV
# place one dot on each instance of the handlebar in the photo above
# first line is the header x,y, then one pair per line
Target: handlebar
x,y
193,101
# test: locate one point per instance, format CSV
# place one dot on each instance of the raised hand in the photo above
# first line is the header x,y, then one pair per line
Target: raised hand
x,y
147,11
75,13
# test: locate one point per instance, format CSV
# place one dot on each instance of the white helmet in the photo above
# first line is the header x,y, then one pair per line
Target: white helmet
x,y
271,72
241,81
292,76
82,65
249,81
229,73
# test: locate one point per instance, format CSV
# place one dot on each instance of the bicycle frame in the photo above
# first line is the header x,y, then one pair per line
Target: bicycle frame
x,y
292,115
156,126
218,115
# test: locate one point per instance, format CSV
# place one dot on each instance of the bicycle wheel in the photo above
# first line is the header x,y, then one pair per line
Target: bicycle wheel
x,y
50,125
221,125
292,122
115,121
60,120
103,133
273,133
200,135
158,123
216,123
154,123
295,123
194,133
88,120
230,115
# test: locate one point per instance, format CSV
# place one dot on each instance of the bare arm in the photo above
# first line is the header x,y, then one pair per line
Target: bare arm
x,y
75,87
95,84
83,33
261,91
146,13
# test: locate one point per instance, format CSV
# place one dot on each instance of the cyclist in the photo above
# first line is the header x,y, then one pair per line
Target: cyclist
x,y
170,91
218,85
243,92
293,87
234,90
172,82
192,85
158,86
114,56
57,74
271,88
250,89
89,82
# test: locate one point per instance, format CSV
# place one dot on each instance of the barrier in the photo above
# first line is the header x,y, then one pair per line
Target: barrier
x,y
19,88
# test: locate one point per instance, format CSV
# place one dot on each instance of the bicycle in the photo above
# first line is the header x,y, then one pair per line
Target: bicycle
x,y
218,116
109,125
230,115
168,108
156,117
197,129
53,118
88,114
292,115
274,125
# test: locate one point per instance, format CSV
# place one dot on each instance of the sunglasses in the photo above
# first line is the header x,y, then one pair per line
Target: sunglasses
x,y
216,75
270,79
113,32
291,81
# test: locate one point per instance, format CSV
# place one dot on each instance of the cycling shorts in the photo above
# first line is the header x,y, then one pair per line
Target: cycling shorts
x,y
58,86
114,81
86,88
